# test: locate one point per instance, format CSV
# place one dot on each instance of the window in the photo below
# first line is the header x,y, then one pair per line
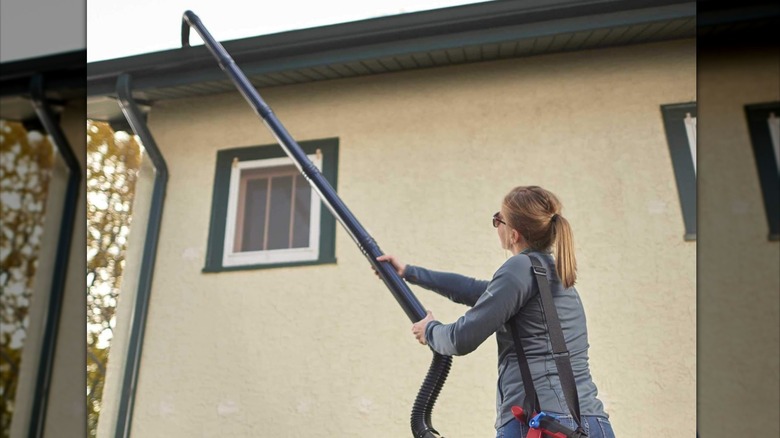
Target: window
x,y
271,213
265,213
680,125
764,125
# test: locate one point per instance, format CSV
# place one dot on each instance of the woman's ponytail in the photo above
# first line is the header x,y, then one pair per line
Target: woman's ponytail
x,y
534,213
565,261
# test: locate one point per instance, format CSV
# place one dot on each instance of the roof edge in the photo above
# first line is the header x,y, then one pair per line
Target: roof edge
x,y
382,30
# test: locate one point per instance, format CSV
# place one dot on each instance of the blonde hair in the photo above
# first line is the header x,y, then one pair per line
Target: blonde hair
x,y
536,214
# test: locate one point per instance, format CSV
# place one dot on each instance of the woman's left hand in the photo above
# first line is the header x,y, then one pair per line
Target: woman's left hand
x,y
418,329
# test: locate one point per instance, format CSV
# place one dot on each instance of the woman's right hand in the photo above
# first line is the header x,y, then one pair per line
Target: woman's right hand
x,y
397,265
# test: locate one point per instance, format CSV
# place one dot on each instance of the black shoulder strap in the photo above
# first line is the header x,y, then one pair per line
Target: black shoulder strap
x,y
560,352
531,401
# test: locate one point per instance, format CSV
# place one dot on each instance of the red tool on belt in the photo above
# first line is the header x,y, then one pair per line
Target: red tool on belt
x,y
544,425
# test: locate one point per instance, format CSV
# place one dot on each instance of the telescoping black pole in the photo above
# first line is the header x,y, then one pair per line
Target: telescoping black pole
x,y
437,373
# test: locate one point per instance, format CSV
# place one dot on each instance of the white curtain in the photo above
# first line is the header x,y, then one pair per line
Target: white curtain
x,y
774,132
690,129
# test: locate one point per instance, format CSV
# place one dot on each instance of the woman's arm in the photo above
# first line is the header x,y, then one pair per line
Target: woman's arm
x,y
456,287
509,290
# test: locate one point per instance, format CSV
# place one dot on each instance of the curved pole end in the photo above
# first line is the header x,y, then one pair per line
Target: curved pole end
x,y
186,20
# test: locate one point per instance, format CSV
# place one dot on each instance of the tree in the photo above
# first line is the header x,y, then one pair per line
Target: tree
x,y
26,160
113,160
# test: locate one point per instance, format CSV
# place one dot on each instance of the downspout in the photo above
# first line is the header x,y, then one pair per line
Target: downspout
x,y
135,117
43,380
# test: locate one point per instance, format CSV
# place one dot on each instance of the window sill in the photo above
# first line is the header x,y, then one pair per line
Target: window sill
x,y
212,269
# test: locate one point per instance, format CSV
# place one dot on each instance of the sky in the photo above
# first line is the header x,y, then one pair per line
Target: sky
x,y
27,33
120,28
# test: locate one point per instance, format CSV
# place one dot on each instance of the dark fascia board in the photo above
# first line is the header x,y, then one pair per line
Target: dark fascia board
x,y
64,73
428,30
722,24
722,12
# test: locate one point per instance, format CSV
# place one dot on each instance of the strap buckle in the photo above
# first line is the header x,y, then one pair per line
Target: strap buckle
x,y
539,270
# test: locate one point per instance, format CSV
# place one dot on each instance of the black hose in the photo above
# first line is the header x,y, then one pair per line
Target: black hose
x,y
426,397
440,366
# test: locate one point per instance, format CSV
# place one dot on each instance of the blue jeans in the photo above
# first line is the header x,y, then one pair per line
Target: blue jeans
x,y
595,427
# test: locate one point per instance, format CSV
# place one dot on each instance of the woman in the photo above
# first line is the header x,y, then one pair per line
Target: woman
x,y
529,222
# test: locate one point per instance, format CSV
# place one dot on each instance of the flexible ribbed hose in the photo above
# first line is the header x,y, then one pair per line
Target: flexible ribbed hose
x,y
426,397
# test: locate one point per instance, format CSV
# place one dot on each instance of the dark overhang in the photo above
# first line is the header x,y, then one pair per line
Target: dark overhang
x,y
747,23
456,35
64,73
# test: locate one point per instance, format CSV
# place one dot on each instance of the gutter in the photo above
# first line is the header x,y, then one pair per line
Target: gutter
x,y
65,75
48,349
135,118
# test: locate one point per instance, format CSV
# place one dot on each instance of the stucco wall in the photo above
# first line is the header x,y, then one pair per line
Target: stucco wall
x,y
739,305
425,158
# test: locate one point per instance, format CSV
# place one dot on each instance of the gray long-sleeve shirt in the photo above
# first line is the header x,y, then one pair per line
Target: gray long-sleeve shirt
x,y
512,291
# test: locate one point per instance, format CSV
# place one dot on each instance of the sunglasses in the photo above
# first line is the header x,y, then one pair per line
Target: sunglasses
x,y
497,220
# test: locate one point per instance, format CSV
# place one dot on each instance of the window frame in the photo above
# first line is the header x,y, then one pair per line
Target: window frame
x,y
766,163
223,210
682,155
272,256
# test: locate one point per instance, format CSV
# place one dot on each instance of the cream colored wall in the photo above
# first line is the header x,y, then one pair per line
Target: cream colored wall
x,y
425,158
739,311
